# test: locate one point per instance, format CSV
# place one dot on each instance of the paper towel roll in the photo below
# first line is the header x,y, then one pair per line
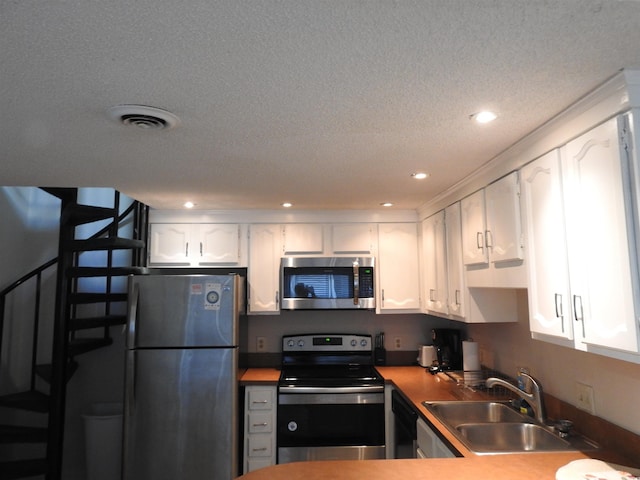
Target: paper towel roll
x,y
470,356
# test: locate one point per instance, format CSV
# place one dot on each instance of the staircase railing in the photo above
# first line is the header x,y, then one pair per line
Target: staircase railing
x,y
37,272
68,272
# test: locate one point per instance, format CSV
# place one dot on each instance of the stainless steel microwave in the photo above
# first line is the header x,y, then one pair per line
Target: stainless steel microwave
x,y
326,283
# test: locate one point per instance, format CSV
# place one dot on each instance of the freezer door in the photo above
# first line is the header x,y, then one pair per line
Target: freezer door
x,y
183,311
181,415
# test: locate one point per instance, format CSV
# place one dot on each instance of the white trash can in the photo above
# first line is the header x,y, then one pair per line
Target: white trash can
x,y
103,441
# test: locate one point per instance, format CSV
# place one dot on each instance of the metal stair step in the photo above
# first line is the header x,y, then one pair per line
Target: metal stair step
x,y
79,346
109,243
20,434
76,214
106,271
31,400
22,469
78,298
97,322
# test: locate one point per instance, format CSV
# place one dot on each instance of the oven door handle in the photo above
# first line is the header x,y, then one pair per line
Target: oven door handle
x,y
360,389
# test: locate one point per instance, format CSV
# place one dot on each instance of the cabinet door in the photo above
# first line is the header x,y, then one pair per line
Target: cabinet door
x,y
398,267
170,244
547,267
455,266
434,263
474,251
599,253
265,249
504,236
353,238
302,238
219,244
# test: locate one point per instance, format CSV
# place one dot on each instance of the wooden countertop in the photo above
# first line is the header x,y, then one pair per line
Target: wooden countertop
x,y
532,466
417,386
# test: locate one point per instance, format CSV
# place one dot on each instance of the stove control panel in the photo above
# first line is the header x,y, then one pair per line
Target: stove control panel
x,y
320,343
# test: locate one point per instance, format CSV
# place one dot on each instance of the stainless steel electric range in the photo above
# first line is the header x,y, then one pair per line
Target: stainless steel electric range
x,y
330,399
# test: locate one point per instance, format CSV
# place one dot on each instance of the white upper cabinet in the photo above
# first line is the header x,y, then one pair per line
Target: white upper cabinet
x,y
303,238
356,238
186,244
602,262
434,263
491,228
492,241
549,299
474,226
503,237
455,268
398,274
265,250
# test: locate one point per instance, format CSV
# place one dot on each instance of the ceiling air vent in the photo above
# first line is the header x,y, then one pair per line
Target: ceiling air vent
x,y
142,116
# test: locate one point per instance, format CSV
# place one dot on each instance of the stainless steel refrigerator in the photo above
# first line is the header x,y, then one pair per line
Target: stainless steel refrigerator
x,y
180,416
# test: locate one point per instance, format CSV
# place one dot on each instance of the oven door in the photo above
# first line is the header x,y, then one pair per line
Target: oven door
x,y
330,426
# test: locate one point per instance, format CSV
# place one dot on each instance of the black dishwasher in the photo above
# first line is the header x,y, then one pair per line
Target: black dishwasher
x,y
405,431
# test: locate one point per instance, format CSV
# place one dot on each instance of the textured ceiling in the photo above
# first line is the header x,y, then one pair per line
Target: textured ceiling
x,y
326,104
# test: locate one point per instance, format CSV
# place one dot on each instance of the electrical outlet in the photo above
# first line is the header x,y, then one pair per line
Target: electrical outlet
x,y
261,344
584,398
397,342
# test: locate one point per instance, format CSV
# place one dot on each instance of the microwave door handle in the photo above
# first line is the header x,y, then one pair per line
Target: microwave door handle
x,y
356,283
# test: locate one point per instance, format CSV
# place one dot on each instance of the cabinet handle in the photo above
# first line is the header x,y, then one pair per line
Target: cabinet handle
x,y
200,248
262,449
559,313
577,301
263,424
479,240
382,295
431,292
260,402
489,237
277,298
458,298
186,249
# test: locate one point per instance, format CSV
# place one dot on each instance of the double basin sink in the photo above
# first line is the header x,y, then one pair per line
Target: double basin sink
x,y
486,427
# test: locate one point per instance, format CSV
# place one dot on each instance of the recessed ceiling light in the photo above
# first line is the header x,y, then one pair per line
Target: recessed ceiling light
x,y
419,175
386,204
483,117
287,205
189,204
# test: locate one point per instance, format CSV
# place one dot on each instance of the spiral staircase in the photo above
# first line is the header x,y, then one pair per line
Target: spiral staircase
x,y
32,445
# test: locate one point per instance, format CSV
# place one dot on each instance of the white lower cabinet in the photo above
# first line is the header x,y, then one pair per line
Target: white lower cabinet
x,y
429,445
259,427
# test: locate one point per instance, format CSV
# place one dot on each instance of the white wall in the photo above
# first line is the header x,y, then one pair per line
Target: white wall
x,y
616,383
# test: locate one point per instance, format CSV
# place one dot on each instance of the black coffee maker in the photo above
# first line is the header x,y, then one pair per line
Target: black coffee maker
x,y
448,346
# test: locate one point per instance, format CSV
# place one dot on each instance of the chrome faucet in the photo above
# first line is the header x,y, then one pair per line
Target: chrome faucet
x,y
534,398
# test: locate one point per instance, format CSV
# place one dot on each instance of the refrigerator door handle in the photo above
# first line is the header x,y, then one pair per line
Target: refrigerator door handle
x,y
132,314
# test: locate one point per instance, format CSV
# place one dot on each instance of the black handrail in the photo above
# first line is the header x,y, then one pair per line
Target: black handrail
x,y
37,272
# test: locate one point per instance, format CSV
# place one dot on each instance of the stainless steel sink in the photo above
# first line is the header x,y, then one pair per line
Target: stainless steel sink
x,y
456,413
487,427
511,437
